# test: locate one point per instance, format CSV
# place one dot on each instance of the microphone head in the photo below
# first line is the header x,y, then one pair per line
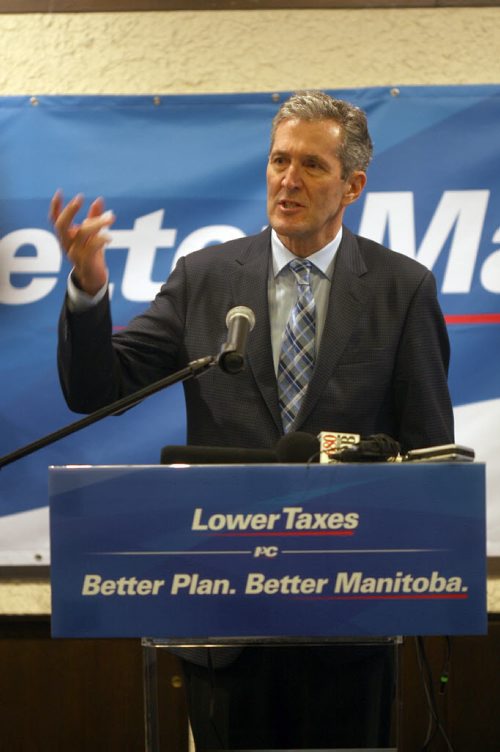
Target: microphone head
x,y
240,320
299,446
241,310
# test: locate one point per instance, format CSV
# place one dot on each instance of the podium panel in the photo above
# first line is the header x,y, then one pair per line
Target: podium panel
x,y
273,551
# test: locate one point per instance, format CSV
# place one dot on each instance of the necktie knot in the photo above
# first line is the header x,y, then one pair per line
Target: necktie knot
x,y
302,271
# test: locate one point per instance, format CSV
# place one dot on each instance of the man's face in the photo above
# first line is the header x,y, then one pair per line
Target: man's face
x,y
306,194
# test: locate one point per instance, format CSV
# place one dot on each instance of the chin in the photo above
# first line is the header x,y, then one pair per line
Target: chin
x,y
283,227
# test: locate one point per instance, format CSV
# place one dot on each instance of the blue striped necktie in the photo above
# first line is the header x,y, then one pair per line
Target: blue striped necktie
x,y
297,354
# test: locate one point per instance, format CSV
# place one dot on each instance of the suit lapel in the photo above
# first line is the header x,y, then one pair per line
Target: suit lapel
x,y
348,296
249,283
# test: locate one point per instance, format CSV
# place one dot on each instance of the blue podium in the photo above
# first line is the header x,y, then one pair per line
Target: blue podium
x,y
269,554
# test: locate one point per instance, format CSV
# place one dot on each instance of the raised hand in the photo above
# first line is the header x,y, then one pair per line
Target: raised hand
x,y
83,243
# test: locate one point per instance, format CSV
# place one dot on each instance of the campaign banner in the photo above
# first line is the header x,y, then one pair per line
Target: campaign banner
x,y
268,551
184,172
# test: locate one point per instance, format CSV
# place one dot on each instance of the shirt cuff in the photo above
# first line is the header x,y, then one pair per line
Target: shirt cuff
x,y
78,300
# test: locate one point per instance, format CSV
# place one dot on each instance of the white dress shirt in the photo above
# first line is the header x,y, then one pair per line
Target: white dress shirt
x,y
282,288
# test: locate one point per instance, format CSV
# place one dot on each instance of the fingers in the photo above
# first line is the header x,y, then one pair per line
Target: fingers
x,y
93,226
84,242
55,205
63,217
88,239
96,207
91,237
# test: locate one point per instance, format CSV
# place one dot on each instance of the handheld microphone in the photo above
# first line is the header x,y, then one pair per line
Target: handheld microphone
x,y
239,321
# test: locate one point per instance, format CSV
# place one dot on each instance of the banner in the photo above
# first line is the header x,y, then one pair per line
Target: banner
x,y
183,172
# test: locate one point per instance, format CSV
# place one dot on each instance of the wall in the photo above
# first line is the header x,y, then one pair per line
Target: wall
x,y
239,51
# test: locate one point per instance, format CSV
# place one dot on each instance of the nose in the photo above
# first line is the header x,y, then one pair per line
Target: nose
x,y
291,179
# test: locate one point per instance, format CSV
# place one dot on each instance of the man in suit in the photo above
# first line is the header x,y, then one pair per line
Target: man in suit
x,y
374,350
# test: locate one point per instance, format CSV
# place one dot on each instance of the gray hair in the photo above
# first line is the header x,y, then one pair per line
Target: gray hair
x,y
356,148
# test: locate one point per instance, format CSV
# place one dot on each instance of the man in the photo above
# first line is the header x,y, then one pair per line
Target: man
x,y
349,336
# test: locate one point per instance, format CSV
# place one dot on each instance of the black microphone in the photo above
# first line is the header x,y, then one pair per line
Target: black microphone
x,y
214,455
298,446
378,447
239,321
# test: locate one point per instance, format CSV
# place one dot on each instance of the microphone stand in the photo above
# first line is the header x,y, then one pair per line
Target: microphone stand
x,y
193,369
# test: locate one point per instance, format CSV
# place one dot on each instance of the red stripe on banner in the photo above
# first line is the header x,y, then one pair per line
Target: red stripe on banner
x,y
431,596
473,318
292,533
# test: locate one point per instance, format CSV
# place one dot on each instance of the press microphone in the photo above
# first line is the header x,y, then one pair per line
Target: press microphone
x,y
329,447
191,454
239,321
378,447
298,447
341,446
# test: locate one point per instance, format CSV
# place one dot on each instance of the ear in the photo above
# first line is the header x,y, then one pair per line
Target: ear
x,y
354,187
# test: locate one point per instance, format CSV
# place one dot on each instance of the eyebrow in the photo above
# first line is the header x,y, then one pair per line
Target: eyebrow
x,y
284,153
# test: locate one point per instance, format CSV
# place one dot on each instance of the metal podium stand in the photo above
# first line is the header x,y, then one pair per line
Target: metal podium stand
x,y
278,551
151,646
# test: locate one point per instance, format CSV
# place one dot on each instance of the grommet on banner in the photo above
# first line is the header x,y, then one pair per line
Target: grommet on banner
x,y
395,92
34,101
156,100
275,97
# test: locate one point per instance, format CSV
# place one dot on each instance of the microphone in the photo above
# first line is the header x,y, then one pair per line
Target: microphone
x,y
378,447
298,447
214,455
332,442
338,446
239,321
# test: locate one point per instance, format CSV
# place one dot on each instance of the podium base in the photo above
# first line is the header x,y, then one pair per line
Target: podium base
x,y
340,695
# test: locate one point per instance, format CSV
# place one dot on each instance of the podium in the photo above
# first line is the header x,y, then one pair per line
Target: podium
x,y
267,554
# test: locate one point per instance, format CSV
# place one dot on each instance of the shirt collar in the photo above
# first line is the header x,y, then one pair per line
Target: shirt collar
x,y
322,259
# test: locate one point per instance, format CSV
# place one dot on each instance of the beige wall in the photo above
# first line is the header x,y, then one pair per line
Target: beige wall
x,y
236,51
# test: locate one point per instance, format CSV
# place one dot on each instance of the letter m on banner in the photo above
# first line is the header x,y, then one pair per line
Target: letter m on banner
x,y
458,216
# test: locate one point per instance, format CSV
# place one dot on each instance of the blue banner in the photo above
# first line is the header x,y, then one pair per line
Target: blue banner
x,y
183,172
268,551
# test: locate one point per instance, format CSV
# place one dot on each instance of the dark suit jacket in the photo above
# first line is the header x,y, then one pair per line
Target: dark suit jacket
x,y
381,368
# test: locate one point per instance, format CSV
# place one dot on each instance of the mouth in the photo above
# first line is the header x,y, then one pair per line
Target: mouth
x,y
287,204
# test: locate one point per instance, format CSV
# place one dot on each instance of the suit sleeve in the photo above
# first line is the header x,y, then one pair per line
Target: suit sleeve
x,y
97,367
421,394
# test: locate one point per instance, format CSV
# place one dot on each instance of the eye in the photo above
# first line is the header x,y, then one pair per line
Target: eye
x,y
313,164
278,160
